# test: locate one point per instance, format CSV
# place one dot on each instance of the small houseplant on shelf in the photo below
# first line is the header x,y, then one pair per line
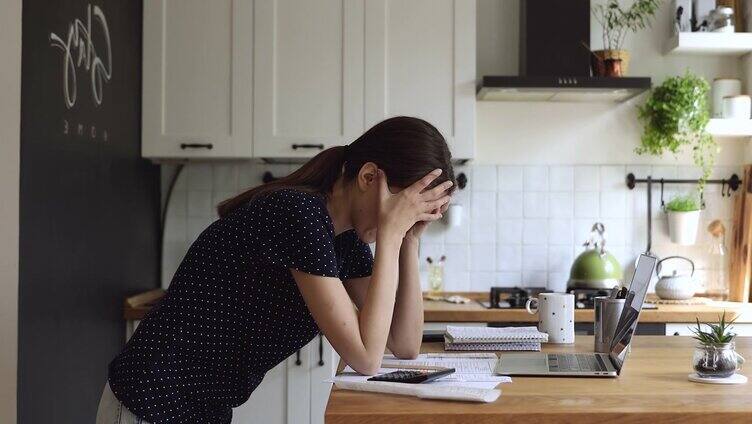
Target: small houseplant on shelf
x,y
674,117
683,218
715,355
617,23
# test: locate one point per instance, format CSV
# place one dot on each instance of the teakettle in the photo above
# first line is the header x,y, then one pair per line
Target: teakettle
x,y
675,286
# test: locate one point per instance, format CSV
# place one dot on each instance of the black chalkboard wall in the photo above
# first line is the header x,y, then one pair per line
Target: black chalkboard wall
x,y
89,204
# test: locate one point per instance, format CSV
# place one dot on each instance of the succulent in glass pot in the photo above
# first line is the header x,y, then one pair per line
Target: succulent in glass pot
x,y
715,355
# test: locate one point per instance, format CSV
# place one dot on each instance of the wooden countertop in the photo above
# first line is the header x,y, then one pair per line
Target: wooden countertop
x,y
653,388
438,311
136,307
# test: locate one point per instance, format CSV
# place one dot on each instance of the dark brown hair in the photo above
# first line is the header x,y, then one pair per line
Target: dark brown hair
x,y
405,148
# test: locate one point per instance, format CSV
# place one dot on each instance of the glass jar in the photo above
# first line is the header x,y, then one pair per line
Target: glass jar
x,y
436,277
722,19
716,361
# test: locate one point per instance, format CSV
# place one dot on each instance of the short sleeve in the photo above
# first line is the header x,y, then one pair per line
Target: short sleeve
x,y
358,261
298,233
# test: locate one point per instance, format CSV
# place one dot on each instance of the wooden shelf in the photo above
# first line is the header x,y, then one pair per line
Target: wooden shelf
x,y
710,43
730,127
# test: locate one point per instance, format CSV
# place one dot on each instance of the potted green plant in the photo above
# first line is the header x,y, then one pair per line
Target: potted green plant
x,y
617,23
683,218
715,354
674,116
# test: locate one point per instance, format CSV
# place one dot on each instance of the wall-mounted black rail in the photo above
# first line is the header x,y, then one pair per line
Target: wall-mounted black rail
x,y
727,186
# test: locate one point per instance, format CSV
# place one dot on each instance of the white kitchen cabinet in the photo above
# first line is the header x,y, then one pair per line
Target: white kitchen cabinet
x,y
268,403
420,61
293,392
197,79
308,76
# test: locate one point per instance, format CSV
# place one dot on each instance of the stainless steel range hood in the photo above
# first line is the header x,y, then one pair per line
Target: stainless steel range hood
x,y
555,62
561,89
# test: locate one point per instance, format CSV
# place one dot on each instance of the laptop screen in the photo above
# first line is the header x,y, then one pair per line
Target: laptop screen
x,y
638,289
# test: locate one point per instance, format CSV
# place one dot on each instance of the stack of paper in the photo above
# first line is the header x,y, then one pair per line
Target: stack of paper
x,y
472,370
493,338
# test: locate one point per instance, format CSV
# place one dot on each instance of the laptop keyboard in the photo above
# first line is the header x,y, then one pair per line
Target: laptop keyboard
x,y
575,362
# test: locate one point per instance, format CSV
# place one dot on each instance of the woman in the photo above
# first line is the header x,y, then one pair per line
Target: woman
x,y
284,261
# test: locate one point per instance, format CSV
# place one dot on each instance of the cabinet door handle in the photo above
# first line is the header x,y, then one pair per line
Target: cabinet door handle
x,y
321,350
207,146
297,358
308,146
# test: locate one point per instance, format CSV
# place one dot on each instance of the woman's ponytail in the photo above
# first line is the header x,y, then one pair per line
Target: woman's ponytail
x,y
318,175
405,148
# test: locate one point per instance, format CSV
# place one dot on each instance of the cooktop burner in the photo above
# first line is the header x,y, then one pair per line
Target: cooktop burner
x,y
585,298
512,297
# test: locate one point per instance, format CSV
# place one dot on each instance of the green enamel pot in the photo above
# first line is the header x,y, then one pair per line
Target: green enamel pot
x,y
595,268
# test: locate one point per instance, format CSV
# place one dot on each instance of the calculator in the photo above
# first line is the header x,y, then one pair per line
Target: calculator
x,y
412,376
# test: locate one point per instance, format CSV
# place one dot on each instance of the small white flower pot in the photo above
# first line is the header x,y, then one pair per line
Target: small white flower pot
x,y
682,227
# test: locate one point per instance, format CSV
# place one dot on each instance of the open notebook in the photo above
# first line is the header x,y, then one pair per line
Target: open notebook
x,y
493,338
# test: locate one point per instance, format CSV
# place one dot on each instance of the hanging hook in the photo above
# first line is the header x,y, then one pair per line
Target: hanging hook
x,y
723,188
663,204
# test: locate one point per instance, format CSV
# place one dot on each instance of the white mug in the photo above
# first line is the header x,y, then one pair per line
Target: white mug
x,y
454,215
555,316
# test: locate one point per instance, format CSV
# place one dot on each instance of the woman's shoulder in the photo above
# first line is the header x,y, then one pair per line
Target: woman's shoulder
x,y
290,198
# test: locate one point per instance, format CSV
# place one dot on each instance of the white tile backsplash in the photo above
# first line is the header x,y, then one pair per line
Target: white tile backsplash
x,y
612,178
535,204
510,204
483,257
509,231
535,178
199,176
225,177
509,258
510,178
560,231
613,204
561,178
534,231
522,225
561,204
587,204
586,178
534,258
200,203
484,178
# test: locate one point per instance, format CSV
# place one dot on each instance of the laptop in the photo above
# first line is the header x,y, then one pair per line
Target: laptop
x,y
589,364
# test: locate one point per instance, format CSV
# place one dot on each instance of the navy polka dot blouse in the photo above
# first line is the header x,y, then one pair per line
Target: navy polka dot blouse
x,y
233,310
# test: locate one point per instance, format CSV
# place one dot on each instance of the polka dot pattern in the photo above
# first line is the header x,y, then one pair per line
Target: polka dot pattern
x,y
233,310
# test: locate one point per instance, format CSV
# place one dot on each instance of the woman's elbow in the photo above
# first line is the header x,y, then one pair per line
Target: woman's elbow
x,y
367,368
407,352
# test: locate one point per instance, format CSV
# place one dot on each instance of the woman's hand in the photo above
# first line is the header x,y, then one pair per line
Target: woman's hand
x,y
414,233
398,213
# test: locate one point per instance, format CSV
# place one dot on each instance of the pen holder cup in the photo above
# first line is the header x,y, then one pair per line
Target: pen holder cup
x,y
607,313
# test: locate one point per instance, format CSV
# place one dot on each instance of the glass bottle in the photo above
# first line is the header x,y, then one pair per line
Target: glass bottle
x,y
717,283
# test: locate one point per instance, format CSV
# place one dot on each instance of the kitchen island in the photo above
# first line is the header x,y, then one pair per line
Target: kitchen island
x,y
136,307
653,388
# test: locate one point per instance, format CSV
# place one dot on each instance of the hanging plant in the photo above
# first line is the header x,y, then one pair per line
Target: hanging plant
x,y
674,116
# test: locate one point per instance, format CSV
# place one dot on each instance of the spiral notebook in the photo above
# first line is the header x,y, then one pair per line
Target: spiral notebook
x,y
513,346
472,335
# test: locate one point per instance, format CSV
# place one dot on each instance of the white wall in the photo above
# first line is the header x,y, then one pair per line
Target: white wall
x,y
10,113
579,133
